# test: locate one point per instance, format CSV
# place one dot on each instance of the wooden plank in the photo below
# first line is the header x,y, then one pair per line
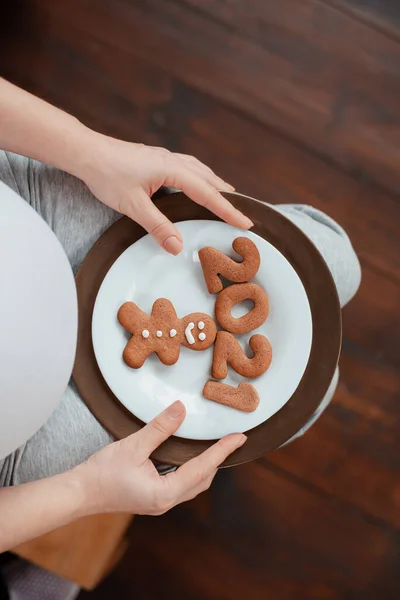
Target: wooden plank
x,y
125,95
384,15
372,319
352,452
284,542
281,63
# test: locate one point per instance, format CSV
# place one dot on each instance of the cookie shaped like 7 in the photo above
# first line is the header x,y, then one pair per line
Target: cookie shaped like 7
x,y
163,332
214,263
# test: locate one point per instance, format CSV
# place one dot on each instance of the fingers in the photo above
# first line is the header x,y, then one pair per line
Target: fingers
x,y
150,218
209,177
192,474
198,182
195,164
199,190
203,170
159,429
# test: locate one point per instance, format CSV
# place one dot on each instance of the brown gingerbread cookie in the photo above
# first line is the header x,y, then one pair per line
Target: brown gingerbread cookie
x,y
244,397
163,332
233,295
214,263
227,350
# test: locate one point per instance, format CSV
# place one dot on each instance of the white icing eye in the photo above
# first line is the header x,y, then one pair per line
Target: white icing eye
x,y
172,333
145,333
202,336
159,334
200,325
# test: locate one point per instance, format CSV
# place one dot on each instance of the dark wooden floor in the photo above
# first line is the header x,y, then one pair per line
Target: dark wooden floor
x,y
291,101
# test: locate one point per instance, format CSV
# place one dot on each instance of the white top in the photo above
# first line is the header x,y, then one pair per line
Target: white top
x,y
38,321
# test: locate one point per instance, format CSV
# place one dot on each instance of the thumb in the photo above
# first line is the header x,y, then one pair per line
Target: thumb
x,y
160,428
150,218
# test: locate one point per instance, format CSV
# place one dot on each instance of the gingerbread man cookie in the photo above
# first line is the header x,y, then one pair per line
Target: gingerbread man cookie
x,y
244,397
233,295
163,332
227,350
214,263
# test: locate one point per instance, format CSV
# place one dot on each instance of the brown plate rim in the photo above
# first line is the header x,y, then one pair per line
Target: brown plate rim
x,y
326,317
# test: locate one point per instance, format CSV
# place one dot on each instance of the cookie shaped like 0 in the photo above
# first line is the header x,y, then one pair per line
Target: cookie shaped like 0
x,y
233,295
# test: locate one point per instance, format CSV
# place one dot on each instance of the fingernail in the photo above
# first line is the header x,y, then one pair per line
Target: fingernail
x,y
242,440
228,186
173,245
176,409
248,223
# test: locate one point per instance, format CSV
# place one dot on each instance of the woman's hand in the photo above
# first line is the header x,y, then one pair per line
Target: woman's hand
x,y
122,478
122,175
119,478
125,175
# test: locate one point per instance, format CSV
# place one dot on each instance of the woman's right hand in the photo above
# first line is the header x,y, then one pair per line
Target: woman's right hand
x,y
122,478
124,176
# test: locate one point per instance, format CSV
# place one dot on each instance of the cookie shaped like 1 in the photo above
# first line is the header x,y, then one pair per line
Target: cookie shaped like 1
x,y
214,263
227,350
233,295
244,397
163,332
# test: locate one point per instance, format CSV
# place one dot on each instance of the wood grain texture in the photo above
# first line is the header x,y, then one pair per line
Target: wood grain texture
x,y
284,542
128,96
353,453
382,15
293,102
284,64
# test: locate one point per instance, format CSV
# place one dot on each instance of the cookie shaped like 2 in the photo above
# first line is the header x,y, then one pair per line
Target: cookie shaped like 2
x,y
163,332
214,263
244,397
227,350
233,295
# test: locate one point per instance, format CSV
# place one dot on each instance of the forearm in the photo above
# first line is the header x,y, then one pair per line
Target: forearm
x,y
33,128
33,509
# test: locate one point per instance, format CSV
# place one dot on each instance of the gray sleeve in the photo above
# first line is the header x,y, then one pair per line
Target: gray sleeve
x,y
332,242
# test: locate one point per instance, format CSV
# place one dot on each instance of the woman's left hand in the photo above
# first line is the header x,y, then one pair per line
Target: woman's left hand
x,y
125,175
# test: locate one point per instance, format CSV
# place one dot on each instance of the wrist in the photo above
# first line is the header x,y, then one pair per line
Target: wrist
x,y
81,502
91,497
91,154
78,149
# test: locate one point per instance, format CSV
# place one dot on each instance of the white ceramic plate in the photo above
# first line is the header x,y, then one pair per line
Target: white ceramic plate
x,y
143,273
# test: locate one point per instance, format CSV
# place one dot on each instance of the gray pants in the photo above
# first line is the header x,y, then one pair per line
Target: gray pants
x,y
72,433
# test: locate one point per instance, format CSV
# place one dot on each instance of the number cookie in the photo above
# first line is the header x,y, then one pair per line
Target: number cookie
x,y
233,295
227,350
214,263
163,332
244,397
